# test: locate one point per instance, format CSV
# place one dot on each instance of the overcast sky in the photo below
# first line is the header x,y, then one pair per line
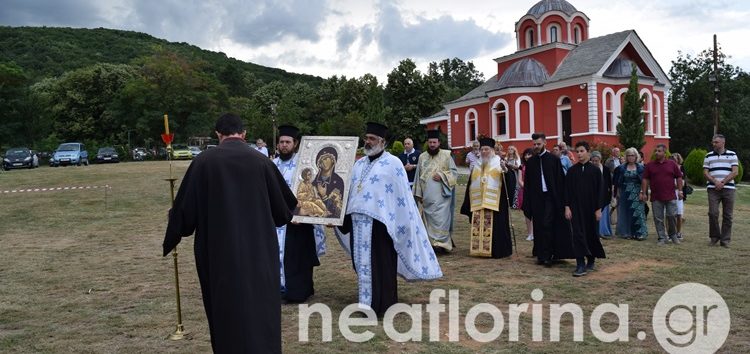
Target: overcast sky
x,y
355,37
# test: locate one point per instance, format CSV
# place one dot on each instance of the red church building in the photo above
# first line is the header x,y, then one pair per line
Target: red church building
x,y
562,83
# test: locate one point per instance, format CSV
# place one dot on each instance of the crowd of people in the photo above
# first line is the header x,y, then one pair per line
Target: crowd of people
x,y
399,216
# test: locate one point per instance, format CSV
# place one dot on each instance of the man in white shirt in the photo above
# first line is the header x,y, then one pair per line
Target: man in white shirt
x,y
720,167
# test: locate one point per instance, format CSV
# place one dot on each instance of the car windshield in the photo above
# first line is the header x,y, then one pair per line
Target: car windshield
x,y
195,148
68,147
107,150
179,147
17,152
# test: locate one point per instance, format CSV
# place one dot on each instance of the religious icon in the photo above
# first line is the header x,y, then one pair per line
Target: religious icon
x,y
321,182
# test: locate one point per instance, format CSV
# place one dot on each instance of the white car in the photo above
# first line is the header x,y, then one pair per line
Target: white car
x,y
195,150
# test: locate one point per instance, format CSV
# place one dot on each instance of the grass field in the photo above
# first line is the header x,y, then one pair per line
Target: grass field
x,y
81,274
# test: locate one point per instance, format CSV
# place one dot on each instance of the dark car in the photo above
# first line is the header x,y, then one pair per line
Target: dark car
x,y
20,158
107,154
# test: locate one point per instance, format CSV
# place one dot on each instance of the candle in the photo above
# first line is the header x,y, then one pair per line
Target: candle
x,y
166,124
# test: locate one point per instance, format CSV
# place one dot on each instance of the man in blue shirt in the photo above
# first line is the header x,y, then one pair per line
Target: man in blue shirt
x,y
564,159
409,158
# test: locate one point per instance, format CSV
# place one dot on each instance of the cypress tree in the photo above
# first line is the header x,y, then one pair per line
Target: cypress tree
x,y
630,129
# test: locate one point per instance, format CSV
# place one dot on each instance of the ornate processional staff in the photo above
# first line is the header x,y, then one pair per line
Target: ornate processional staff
x,y
167,138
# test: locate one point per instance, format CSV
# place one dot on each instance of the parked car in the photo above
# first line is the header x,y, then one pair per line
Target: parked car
x,y
107,154
70,154
20,158
181,152
140,154
195,150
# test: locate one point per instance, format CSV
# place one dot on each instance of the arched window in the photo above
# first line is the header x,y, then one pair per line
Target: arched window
x,y
647,111
657,116
524,109
576,34
565,101
472,128
529,38
553,33
500,112
609,121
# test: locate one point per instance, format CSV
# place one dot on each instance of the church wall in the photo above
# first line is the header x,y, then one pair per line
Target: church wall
x,y
551,59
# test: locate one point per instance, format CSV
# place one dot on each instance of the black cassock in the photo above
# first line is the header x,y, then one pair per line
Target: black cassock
x,y
300,256
234,198
502,244
545,209
584,191
384,262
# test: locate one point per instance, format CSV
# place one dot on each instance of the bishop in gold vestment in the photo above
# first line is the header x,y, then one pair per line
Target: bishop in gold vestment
x,y
486,204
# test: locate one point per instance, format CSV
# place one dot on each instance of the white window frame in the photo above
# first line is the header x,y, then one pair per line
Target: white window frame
x,y
495,116
558,32
648,113
529,37
470,116
518,117
608,122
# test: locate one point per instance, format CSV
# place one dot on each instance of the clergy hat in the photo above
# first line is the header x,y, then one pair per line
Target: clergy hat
x,y
289,130
487,142
433,134
377,129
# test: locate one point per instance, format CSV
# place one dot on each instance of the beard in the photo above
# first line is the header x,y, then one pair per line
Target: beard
x,y
432,151
486,160
286,156
372,150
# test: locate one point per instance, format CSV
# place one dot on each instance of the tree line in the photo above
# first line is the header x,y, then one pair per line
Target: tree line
x,y
104,102
100,86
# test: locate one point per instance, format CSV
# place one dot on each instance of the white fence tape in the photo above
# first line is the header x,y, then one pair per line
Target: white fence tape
x,y
54,189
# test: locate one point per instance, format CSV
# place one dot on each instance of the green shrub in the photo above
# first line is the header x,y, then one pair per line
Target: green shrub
x,y
694,167
741,172
397,148
667,155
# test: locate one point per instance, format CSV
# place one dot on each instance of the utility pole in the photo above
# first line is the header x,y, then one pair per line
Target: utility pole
x,y
716,87
273,119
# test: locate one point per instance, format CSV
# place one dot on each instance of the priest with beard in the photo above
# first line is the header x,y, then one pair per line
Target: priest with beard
x,y
434,187
486,205
583,200
299,244
543,203
382,230
233,198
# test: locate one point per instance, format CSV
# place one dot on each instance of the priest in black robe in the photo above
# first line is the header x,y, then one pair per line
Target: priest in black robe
x,y
544,195
299,244
486,183
583,200
233,198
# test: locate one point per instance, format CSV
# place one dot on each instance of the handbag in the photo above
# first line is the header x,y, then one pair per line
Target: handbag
x,y
687,189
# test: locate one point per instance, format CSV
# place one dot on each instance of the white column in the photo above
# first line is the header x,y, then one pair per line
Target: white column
x,y
539,34
593,105
666,112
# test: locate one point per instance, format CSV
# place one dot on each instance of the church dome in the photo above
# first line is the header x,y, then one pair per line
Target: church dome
x,y
545,6
523,73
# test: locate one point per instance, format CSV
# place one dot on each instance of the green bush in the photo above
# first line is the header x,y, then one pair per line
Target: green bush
x,y
741,172
667,155
397,148
694,167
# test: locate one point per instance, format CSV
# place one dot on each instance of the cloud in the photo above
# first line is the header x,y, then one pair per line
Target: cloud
x,y
201,22
423,37
346,36
261,22
73,13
